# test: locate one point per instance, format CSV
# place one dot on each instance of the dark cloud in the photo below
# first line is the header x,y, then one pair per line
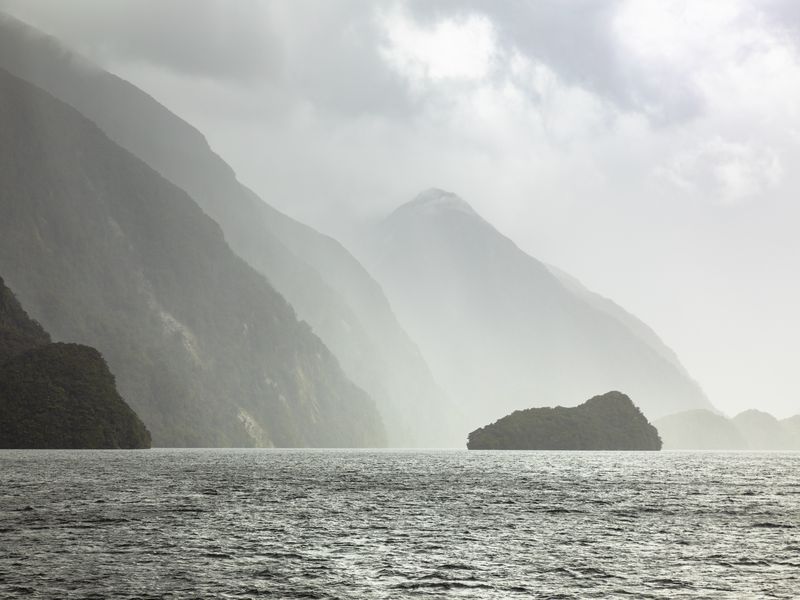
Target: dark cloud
x,y
228,40
323,53
328,53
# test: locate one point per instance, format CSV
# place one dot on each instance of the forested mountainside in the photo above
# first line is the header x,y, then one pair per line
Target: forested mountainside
x,y
321,280
104,251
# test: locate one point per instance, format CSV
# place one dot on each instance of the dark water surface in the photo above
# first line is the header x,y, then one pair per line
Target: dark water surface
x,y
359,524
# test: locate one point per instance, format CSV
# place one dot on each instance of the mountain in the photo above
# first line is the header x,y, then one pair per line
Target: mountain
x,y
763,431
499,328
699,430
749,430
321,280
637,327
607,422
792,426
57,395
104,251
18,332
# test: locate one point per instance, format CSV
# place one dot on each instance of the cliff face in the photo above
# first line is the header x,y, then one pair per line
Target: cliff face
x,y
607,422
104,251
57,395
322,281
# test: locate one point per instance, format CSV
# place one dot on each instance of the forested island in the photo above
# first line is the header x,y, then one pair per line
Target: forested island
x,y
607,422
55,395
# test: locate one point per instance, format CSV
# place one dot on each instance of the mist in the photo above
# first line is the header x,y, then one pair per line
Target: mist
x,y
645,149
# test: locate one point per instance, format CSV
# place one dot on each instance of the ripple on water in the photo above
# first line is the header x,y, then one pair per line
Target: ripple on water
x,y
359,524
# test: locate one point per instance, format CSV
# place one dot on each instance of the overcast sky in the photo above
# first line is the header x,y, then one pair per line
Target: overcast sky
x,y
648,148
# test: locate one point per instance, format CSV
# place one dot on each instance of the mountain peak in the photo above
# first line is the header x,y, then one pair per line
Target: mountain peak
x,y
436,201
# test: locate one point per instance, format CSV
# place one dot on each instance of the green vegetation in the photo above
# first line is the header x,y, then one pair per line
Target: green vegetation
x,y
607,422
322,281
18,332
57,395
104,251
64,396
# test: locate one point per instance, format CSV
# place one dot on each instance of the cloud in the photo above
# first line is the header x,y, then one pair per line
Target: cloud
x,y
453,49
213,38
632,94
312,52
582,42
642,145
723,171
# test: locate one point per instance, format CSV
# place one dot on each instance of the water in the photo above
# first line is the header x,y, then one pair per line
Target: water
x,y
353,524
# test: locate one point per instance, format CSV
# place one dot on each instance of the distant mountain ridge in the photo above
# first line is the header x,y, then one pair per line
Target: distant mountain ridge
x,y
749,430
104,251
321,280
499,328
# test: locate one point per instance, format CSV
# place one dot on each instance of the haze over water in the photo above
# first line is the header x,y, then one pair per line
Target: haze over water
x,y
364,524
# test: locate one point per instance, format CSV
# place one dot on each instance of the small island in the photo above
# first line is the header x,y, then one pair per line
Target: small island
x,y
55,395
607,422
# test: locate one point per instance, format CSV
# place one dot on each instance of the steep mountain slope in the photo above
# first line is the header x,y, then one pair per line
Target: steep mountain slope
x,y
499,330
18,332
57,395
326,286
637,327
104,251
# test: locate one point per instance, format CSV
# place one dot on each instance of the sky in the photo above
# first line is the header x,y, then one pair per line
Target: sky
x,y
648,148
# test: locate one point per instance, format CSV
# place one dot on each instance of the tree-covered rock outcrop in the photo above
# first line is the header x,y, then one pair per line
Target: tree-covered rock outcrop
x,y
64,396
607,422
57,395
